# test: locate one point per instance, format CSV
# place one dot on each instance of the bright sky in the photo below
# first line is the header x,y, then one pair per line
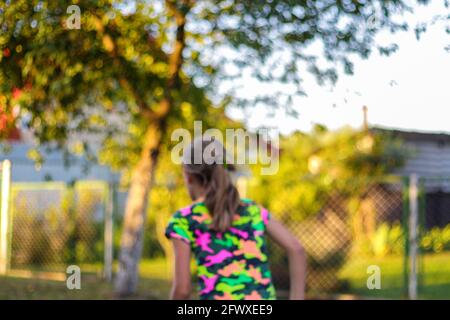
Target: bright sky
x,y
408,90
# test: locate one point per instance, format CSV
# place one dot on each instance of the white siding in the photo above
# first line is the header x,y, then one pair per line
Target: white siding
x,y
429,159
23,169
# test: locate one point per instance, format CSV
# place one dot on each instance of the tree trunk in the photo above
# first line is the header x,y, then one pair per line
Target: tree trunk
x,y
135,212
143,173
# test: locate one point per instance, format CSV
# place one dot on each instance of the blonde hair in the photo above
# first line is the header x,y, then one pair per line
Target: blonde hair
x,y
206,159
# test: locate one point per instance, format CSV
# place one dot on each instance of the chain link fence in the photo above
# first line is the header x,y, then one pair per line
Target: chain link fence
x,y
434,238
348,238
345,238
55,224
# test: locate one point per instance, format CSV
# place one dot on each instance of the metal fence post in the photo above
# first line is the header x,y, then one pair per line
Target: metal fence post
x,y
413,235
4,216
405,200
422,229
108,234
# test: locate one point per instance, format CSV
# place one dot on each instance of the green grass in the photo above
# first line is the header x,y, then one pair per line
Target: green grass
x,y
155,281
434,282
93,289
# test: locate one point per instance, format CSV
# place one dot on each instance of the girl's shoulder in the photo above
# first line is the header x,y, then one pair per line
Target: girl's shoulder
x,y
182,223
192,209
255,210
250,207
194,213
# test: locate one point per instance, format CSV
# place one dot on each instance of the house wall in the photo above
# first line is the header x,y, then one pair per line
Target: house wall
x,y
24,169
430,160
427,159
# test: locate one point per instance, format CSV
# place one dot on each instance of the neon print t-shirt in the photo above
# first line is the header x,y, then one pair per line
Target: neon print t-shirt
x,y
231,265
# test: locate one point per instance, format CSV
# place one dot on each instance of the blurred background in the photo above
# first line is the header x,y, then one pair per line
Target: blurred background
x,y
91,92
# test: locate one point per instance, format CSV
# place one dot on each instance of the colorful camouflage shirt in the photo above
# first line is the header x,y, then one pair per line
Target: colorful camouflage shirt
x,y
231,265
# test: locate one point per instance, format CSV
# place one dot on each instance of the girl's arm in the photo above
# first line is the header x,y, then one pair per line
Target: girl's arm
x,y
181,287
296,254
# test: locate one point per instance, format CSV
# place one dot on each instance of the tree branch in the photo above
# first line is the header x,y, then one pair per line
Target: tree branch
x,y
176,58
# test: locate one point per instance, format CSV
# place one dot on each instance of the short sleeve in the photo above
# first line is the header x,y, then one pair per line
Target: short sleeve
x,y
178,228
265,215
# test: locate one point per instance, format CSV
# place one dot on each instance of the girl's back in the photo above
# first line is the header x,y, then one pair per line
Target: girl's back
x,y
231,265
226,234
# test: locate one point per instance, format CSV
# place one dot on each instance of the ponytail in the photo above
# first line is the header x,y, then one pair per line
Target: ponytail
x,y
221,198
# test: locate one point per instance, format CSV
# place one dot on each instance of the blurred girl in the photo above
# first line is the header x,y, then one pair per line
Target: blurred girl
x,y
226,235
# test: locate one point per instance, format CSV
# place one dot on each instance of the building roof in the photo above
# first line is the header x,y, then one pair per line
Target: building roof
x,y
442,137
429,156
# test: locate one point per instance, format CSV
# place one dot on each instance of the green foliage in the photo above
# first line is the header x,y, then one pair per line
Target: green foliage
x,y
436,240
108,77
63,233
102,79
38,237
390,240
32,243
317,166
152,247
386,240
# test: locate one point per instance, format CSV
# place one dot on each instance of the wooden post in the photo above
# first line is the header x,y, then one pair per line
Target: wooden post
x,y
413,235
108,234
4,216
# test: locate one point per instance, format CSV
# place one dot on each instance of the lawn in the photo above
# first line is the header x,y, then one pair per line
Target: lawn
x,y
434,281
155,281
91,289
154,284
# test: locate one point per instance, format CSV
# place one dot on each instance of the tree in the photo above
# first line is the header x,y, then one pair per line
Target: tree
x,y
318,165
126,72
324,191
